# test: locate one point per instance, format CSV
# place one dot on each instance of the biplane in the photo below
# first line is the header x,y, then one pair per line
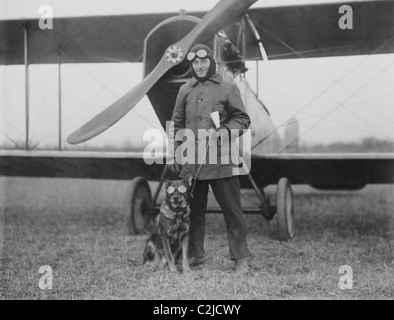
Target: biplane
x,y
161,42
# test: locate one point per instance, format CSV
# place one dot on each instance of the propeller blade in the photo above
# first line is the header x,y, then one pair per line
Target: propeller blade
x,y
221,15
225,12
121,107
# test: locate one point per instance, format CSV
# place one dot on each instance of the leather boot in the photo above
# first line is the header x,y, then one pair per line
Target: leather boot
x,y
241,266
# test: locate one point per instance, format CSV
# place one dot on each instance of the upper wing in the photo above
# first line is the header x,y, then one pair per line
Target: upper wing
x,y
78,39
313,30
286,31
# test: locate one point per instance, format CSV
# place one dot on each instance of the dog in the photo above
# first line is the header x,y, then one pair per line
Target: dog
x,y
169,239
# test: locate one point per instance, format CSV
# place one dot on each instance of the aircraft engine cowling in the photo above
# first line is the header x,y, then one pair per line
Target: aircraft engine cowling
x,y
161,37
163,94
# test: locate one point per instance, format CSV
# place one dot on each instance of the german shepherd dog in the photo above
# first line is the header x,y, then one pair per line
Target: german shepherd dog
x,y
169,239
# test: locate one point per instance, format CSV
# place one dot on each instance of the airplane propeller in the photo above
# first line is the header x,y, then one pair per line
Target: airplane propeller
x,y
221,15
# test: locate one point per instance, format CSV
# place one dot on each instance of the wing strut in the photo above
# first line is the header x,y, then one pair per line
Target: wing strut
x,y
26,59
60,99
257,37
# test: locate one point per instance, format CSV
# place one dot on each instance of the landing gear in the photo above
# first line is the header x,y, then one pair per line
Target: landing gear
x,y
281,217
140,208
137,206
284,211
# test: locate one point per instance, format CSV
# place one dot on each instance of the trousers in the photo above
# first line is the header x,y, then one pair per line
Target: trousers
x,y
228,195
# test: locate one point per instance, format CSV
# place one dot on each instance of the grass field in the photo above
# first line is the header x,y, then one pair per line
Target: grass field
x,y
77,228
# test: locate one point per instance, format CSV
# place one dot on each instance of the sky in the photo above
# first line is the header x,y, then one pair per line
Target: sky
x,y
335,99
15,9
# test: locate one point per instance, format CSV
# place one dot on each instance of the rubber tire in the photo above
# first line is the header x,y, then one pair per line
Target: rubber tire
x,y
137,206
284,210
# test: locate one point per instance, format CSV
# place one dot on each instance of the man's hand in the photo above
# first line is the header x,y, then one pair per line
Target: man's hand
x,y
221,134
175,168
188,178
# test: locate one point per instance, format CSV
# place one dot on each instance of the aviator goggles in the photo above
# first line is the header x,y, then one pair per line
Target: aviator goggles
x,y
181,189
202,54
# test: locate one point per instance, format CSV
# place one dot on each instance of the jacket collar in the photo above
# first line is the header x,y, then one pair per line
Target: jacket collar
x,y
217,78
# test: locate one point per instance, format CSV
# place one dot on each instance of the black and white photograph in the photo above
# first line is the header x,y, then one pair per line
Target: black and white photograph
x,y
197,156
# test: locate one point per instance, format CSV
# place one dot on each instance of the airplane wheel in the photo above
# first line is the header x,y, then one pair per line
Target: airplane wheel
x,y
284,210
137,205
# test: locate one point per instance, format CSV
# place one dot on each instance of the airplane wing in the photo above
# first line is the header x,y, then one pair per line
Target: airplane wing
x,y
286,31
326,171
313,30
77,39
77,164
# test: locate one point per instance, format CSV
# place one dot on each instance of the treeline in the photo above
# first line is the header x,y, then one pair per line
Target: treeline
x,y
125,147
365,145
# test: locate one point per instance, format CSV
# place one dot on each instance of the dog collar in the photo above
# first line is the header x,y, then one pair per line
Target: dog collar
x,y
170,213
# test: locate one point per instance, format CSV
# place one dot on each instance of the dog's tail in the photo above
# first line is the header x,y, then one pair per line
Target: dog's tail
x,y
149,252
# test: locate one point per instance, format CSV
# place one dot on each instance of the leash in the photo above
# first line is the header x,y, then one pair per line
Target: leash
x,y
201,164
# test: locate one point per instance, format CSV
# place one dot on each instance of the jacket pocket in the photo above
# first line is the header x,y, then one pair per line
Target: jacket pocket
x,y
221,108
218,106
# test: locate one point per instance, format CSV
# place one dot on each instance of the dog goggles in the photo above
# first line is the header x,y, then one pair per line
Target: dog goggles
x,y
199,54
181,189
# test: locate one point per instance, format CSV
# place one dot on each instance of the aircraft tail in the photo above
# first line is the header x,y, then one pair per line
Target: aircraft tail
x,y
292,135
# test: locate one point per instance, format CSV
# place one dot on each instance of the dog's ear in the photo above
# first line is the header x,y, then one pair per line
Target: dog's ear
x,y
166,182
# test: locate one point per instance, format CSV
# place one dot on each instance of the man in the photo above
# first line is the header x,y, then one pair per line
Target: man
x,y
205,93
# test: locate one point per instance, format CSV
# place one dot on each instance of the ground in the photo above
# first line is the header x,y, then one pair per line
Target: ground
x,y
77,227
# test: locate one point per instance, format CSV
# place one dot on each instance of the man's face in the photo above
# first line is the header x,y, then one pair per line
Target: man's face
x,y
201,66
